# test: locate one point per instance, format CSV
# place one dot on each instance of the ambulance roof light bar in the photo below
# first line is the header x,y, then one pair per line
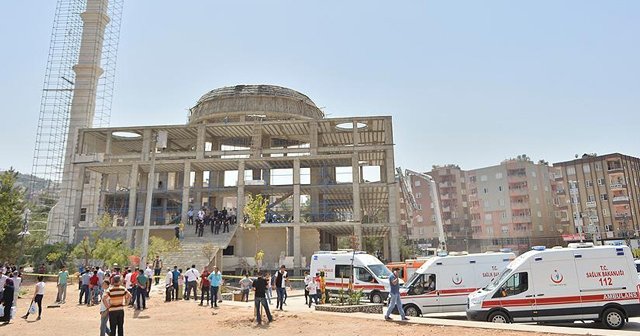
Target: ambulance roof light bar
x,y
580,245
538,248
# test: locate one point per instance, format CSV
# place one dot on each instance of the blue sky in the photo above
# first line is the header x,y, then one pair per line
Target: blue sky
x,y
467,82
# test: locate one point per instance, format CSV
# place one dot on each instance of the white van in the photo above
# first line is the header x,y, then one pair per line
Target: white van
x,y
443,283
580,282
369,273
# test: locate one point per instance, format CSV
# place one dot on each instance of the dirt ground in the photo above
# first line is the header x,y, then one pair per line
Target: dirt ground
x,y
175,318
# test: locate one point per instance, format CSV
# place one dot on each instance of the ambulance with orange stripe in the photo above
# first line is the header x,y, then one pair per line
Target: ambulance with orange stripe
x,y
579,282
443,283
369,273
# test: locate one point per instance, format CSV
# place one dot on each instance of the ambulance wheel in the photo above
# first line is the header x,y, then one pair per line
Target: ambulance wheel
x,y
613,318
498,317
412,310
376,297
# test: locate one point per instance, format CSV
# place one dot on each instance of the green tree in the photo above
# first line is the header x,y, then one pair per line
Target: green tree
x,y
12,205
255,210
112,251
160,246
85,249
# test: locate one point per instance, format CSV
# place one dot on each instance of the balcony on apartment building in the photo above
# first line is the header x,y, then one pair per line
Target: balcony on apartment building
x,y
446,184
558,176
620,199
518,191
614,166
446,209
521,219
622,215
516,178
617,185
591,204
520,205
445,196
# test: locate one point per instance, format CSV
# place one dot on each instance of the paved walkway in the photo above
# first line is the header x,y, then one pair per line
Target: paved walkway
x,y
295,304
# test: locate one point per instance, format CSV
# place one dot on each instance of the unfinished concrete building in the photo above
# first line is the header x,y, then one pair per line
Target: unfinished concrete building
x,y
324,177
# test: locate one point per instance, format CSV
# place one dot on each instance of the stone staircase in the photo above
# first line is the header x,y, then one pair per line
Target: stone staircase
x,y
191,251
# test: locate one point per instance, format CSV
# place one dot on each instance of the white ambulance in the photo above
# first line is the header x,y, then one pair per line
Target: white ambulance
x,y
443,283
580,282
369,273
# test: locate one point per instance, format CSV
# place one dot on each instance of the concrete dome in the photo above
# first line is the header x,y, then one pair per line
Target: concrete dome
x,y
251,102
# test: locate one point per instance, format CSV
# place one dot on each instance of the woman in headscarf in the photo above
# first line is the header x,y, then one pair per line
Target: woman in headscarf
x,y
7,300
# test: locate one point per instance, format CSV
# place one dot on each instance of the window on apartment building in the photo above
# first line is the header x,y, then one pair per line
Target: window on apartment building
x,y
431,205
557,214
598,166
499,188
546,188
464,204
537,200
86,177
486,190
472,179
604,197
571,170
535,187
486,203
575,199
483,178
419,207
608,227
490,230
504,215
539,214
421,231
498,176
540,228
533,173
600,181
586,168
488,218
419,219
418,195
454,215
501,202
83,214
416,183
605,212
591,198
588,183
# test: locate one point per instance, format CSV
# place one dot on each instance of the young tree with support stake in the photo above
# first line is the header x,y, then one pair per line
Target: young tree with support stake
x,y
256,210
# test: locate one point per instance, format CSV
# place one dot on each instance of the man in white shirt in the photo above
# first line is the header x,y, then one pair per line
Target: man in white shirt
x,y
168,285
307,280
127,281
149,274
191,277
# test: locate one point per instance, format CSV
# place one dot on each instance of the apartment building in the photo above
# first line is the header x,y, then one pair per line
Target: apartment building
x,y
597,197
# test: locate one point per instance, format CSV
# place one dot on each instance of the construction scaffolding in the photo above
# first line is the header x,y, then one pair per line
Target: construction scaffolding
x,y
59,85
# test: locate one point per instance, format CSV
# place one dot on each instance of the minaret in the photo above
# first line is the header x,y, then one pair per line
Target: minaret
x,y
88,71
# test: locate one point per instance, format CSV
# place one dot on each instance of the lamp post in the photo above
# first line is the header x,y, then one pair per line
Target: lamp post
x,y
24,233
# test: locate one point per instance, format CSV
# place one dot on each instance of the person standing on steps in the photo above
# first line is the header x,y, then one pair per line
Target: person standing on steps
x,y
394,296
157,268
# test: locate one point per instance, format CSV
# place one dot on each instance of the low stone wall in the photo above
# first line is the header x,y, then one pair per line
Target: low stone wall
x,y
370,308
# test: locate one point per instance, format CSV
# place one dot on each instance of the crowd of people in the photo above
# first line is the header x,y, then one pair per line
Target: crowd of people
x,y
215,219
116,288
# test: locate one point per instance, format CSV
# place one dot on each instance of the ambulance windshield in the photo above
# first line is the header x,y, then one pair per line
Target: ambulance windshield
x,y
380,270
493,284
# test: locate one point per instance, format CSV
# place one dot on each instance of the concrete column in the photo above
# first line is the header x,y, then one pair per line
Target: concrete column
x,y
392,186
297,249
200,140
147,210
385,248
296,190
240,201
198,187
107,149
357,211
186,179
133,202
313,137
